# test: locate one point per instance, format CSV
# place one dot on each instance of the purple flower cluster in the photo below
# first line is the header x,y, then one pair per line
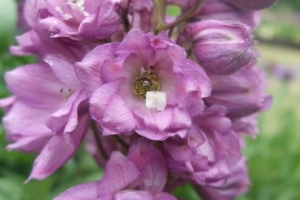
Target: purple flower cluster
x,y
161,101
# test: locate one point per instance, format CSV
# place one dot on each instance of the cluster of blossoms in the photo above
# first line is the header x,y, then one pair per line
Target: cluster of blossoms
x,y
161,101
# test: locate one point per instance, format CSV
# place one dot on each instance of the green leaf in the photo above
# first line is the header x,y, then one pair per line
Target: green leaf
x,y
37,190
10,187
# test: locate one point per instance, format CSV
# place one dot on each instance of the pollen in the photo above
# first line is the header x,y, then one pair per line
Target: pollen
x,y
146,83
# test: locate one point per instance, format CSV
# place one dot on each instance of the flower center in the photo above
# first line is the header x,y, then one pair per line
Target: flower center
x,y
147,82
80,4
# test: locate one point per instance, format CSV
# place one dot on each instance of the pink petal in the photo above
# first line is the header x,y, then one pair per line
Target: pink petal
x,y
134,41
7,102
66,118
36,85
136,195
25,120
64,70
108,109
86,191
151,163
88,70
30,143
119,173
58,150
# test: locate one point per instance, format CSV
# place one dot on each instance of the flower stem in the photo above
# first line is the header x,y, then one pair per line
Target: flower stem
x,y
164,26
173,183
98,142
121,142
126,23
159,15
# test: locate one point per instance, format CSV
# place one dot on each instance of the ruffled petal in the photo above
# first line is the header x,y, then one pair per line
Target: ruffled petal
x,y
58,151
63,70
88,70
119,173
109,109
151,163
86,191
65,119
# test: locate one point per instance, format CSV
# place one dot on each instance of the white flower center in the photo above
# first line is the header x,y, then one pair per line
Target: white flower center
x,y
66,16
73,3
80,4
156,99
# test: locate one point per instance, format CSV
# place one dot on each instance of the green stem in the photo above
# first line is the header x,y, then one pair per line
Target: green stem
x,y
180,19
159,14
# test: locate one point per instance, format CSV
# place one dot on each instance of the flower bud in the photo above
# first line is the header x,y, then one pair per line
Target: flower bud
x,y
221,47
236,184
220,10
251,4
242,93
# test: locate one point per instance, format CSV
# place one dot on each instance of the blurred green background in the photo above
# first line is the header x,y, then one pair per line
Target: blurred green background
x,y
273,157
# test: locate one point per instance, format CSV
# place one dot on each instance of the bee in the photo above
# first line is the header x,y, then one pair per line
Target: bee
x,y
147,82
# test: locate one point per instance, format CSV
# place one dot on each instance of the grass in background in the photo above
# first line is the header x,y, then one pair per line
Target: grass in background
x,y
274,156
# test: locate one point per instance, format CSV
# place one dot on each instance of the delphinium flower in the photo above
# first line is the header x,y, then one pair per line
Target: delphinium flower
x,y
161,101
251,4
144,85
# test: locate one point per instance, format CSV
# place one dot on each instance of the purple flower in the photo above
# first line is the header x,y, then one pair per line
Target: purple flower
x,y
7,103
140,175
158,118
44,117
78,20
237,184
242,93
31,10
221,47
251,4
220,10
143,84
208,152
246,125
39,42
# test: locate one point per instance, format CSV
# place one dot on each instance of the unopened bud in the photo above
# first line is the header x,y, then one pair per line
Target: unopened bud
x,y
221,47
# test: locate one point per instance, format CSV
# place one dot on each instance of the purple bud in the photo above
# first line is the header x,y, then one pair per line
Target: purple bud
x,y
251,4
221,47
236,184
242,93
217,9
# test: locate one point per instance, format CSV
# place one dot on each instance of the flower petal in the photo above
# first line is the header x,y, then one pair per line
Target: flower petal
x,y
86,191
88,70
109,109
66,118
64,70
151,163
36,85
119,173
58,150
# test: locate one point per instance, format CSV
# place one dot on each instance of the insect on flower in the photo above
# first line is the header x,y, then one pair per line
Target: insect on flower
x,y
147,82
